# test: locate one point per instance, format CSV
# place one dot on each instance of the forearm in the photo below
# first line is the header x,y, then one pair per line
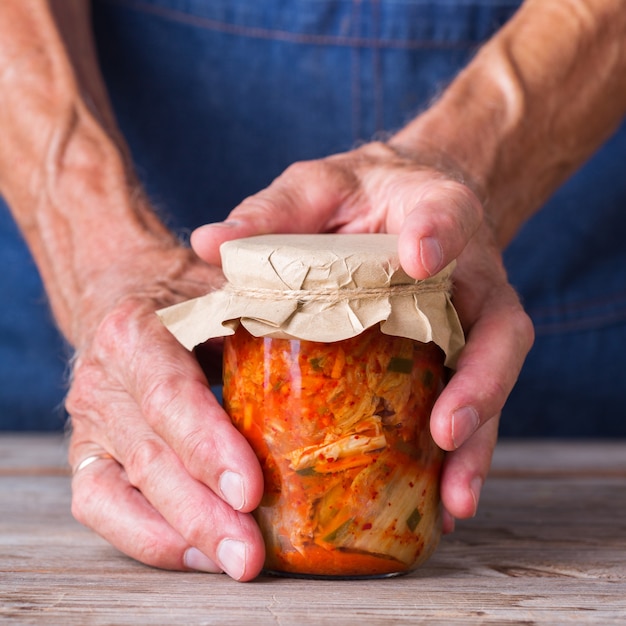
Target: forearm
x,y
534,104
64,169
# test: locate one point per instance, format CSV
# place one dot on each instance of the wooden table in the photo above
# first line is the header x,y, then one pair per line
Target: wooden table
x,y
547,547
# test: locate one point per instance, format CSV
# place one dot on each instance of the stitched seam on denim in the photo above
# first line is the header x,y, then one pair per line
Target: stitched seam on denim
x,y
581,325
286,36
581,306
560,318
377,70
355,67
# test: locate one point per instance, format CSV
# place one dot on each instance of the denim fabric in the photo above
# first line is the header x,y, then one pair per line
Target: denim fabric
x,y
32,355
569,265
217,97
233,91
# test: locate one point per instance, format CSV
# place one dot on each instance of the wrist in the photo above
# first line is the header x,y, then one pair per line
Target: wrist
x,y
150,280
469,137
92,232
67,177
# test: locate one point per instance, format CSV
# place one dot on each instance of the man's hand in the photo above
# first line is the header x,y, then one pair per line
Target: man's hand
x,y
173,481
535,102
374,189
180,482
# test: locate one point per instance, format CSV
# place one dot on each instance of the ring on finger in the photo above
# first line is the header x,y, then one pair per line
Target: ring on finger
x,y
90,459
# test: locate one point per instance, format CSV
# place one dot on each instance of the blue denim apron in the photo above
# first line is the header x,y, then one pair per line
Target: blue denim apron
x,y
217,97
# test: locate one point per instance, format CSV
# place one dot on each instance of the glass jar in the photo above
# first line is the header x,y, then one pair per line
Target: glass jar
x,y
333,358
342,433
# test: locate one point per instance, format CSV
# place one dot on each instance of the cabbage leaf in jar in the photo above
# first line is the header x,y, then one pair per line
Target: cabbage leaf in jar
x,y
342,433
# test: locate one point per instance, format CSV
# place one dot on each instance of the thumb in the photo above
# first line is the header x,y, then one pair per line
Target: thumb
x,y
207,239
437,227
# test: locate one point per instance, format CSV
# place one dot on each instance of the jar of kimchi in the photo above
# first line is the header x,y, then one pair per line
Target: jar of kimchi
x,y
333,359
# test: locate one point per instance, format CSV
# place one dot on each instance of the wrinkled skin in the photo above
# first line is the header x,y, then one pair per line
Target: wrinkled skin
x,y
178,487
373,189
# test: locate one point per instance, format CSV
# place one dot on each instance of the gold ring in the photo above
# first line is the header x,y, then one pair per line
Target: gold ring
x,y
90,459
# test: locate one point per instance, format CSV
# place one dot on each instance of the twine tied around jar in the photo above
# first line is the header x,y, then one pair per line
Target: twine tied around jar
x,y
336,295
324,288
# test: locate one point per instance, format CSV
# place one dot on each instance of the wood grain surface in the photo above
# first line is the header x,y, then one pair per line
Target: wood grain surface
x,y
548,546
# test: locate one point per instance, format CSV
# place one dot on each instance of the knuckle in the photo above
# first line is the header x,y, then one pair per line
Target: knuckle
x,y
471,202
78,510
194,522
141,460
161,397
86,505
298,169
520,325
114,333
262,204
465,209
262,209
461,197
330,173
495,391
198,452
525,329
152,551
444,208
80,399
173,400
169,397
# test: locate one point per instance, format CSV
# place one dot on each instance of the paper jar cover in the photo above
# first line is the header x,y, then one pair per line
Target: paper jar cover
x,y
324,287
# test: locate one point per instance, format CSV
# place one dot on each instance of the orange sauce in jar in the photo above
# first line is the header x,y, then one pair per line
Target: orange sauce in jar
x,y
342,433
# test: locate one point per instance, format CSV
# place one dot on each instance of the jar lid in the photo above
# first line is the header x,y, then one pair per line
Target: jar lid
x,y
324,287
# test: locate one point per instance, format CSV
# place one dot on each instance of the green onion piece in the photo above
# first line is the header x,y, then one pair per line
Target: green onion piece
x,y
400,365
428,378
316,364
339,531
413,520
306,471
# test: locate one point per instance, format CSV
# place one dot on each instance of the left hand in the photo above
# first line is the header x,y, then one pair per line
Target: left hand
x,y
438,218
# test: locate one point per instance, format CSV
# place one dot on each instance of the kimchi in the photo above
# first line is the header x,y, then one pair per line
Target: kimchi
x,y
342,433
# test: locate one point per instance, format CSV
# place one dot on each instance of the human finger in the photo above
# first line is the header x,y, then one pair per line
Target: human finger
x,y
464,473
230,538
147,505
104,409
104,500
174,398
487,369
302,199
499,335
436,221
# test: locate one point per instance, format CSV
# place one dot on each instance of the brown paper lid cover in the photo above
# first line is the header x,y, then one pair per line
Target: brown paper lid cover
x,y
324,287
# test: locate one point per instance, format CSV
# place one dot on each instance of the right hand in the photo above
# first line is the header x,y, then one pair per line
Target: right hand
x,y
178,490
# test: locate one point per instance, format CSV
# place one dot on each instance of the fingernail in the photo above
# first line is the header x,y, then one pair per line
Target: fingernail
x,y
464,422
431,254
196,560
476,485
224,224
231,488
232,555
